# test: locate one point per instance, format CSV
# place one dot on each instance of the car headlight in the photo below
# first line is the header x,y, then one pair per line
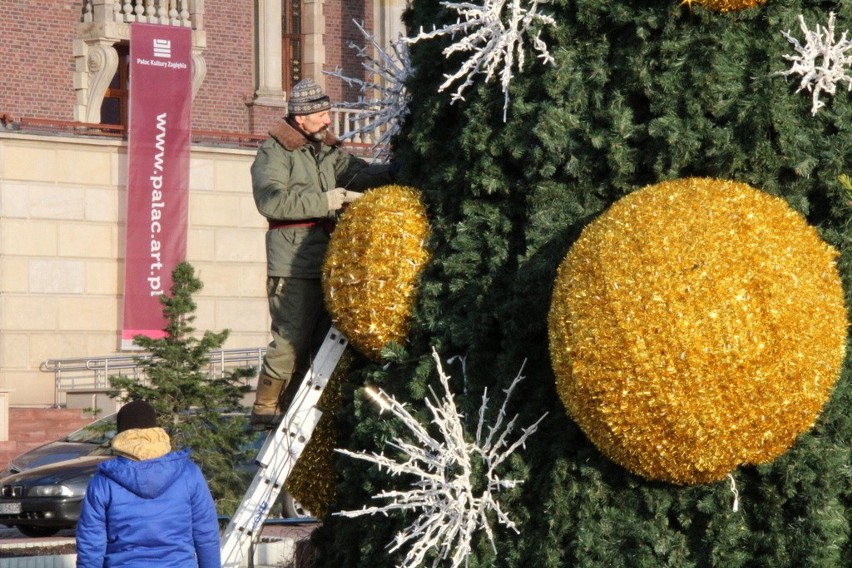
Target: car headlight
x,y
50,491
71,488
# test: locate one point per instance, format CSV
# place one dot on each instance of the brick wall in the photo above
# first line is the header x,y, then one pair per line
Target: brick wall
x,y
340,31
221,102
262,119
37,80
32,427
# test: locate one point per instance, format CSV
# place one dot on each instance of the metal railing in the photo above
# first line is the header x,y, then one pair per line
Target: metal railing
x,y
92,373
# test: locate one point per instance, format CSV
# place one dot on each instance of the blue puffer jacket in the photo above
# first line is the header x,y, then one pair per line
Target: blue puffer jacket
x,y
154,512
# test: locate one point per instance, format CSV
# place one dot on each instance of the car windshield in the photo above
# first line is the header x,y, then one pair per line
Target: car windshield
x,y
99,432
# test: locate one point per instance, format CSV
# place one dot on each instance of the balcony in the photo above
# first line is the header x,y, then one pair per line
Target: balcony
x,y
183,13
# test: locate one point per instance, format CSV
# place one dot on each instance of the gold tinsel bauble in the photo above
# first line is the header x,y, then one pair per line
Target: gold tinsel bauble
x,y
372,265
313,481
695,326
723,6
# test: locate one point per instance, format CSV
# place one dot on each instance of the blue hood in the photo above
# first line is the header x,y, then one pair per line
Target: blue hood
x,y
146,478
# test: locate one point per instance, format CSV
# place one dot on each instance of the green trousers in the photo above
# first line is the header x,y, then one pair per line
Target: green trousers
x,y
299,324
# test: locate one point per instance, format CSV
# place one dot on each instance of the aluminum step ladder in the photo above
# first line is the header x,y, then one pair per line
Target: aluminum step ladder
x,y
279,454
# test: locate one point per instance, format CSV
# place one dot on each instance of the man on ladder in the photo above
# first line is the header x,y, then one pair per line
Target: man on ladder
x,y
300,181
300,178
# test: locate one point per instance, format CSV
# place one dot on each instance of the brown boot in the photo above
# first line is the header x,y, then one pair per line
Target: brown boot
x,y
264,412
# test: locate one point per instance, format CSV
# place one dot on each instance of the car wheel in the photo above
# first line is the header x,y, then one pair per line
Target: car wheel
x,y
37,532
293,509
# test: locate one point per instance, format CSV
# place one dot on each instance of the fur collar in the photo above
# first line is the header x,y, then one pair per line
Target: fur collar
x,y
292,139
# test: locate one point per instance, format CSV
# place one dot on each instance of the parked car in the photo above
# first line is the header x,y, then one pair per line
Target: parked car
x,y
92,439
43,500
42,490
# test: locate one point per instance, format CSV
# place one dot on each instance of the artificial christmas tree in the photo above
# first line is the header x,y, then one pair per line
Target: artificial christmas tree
x,y
635,95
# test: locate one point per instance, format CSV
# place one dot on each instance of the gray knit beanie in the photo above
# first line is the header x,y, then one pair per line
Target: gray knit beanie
x,y
307,97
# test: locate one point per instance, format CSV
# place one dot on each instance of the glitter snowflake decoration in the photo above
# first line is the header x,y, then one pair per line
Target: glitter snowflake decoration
x,y
443,472
495,41
384,104
821,62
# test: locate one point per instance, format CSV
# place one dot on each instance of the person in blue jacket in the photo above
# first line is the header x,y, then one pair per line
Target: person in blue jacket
x,y
149,506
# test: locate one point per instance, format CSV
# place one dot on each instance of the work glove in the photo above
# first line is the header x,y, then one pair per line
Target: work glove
x,y
336,198
352,196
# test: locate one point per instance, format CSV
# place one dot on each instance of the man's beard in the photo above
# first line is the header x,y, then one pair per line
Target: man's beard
x,y
319,135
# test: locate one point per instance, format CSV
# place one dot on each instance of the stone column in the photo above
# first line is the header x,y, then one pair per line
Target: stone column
x,y
269,91
313,27
387,15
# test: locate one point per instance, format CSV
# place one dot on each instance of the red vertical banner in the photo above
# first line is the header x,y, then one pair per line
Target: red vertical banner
x,y
157,172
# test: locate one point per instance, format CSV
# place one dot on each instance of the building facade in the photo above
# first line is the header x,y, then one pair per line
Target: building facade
x,y
63,161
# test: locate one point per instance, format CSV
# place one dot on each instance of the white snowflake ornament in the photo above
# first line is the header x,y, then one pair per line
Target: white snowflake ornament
x,y
821,62
442,470
385,102
493,34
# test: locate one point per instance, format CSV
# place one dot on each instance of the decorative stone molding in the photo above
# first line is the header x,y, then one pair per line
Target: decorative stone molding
x,y
96,64
199,71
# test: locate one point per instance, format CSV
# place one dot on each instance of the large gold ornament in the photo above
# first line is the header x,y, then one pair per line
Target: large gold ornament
x,y
372,265
695,326
723,6
313,481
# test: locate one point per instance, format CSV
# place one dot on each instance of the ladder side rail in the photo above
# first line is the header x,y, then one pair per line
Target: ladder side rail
x,y
267,485
279,454
283,447
310,389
